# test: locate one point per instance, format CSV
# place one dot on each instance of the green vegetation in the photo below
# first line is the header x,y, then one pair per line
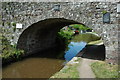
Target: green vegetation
x,y
80,27
104,12
86,37
9,24
95,42
104,70
14,29
9,51
66,35
69,71
13,24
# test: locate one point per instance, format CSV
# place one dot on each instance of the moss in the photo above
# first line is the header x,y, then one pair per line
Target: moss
x,y
13,24
9,24
104,12
14,29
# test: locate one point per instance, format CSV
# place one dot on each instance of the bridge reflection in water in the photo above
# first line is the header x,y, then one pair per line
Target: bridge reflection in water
x,y
44,64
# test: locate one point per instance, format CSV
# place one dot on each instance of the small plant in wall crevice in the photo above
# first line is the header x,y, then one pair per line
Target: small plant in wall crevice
x,y
13,24
14,29
104,12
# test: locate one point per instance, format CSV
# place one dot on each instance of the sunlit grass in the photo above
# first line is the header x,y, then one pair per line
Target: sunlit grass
x,y
86,37
104,70
95,42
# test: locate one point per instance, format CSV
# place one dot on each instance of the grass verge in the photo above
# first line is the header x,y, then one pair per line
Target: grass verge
x,y
86,37
69,71
95,42
104,70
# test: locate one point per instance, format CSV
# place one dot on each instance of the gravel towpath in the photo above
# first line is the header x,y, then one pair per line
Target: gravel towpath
x,y
85,69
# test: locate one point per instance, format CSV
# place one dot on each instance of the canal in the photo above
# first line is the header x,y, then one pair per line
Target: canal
x,y
42,64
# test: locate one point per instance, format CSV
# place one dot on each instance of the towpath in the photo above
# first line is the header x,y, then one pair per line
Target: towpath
x,y
84,68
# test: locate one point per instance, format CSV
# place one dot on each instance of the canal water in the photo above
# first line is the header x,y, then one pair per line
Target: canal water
x,y
42,67
74,49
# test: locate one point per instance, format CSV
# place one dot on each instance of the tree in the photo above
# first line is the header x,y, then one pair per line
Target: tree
x,y
80,27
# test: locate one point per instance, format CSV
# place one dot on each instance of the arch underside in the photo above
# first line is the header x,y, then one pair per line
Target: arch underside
x,y
42,35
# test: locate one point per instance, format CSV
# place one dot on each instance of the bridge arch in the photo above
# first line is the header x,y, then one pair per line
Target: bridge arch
x,y
42,35
88,13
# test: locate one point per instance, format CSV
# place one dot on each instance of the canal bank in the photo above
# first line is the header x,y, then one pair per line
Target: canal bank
x,y
69,70
87,66
47,63
79,67
96,52
40,59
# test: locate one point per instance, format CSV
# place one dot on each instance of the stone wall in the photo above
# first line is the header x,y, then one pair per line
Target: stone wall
x,y
60,0
87,13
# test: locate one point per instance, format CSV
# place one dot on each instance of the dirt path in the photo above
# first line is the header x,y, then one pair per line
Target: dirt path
x,y
85,69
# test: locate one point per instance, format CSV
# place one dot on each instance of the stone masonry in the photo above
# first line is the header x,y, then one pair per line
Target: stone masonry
x,y
37,17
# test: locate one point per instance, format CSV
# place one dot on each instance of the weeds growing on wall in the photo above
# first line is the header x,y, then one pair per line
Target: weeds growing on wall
x,y
9,51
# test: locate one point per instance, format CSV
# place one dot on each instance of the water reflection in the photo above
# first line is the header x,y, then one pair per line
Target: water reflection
x,y
33,68
43,64
74,49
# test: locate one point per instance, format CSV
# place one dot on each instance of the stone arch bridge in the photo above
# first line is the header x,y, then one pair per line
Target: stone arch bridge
x,y
38,18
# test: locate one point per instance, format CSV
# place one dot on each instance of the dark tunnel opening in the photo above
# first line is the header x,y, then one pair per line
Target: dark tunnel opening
x,y
41,35
41,38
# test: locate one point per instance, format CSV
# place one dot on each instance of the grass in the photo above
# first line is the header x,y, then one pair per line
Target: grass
x,y
70,71
104,70
86,37
95,42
